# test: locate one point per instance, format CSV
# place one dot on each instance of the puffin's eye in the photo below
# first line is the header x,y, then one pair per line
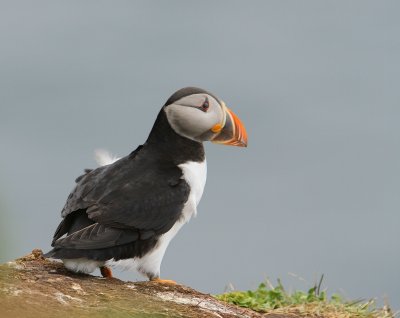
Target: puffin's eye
x,y
205,105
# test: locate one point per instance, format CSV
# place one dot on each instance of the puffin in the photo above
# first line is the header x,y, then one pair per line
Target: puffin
x,y
126,212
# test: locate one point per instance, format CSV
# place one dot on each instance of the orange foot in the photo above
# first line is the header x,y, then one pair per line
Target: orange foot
x,y
106,272
164,281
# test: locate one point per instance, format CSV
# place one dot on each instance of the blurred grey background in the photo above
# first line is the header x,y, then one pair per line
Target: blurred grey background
x,y
315,82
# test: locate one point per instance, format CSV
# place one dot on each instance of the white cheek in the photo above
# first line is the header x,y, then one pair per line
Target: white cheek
x,y
190,121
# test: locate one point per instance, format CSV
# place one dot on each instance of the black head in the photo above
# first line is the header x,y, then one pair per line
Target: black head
x,y
186,91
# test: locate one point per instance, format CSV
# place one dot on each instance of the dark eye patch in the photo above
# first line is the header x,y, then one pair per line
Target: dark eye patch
x,y
205,105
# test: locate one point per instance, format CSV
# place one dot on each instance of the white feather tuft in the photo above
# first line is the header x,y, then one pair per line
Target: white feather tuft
x,y
82,265
103,157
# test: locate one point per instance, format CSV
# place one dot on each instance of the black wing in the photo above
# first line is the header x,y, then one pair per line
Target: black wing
x,y
135,197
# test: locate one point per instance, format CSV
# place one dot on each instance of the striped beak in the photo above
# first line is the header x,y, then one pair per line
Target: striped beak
x,y
232,132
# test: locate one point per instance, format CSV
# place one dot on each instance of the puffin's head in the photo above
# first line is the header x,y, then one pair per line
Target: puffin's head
x,y
199,115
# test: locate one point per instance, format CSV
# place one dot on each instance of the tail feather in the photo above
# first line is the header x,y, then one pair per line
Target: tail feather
x,y
50,254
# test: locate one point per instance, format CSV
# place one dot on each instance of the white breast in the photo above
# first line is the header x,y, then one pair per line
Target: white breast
x,y
195,174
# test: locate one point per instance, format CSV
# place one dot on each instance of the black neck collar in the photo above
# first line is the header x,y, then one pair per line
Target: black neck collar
x,y
165,141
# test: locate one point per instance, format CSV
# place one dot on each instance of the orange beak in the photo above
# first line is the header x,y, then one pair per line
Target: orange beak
x,y
232,133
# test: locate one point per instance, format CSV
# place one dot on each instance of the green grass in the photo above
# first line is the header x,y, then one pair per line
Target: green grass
x,y
311,303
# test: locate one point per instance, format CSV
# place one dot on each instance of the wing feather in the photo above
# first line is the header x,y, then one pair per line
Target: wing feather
x,y
134,193
96,236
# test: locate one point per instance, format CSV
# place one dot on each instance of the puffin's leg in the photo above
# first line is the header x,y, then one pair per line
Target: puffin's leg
x,y
163,281
153,272
106,271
